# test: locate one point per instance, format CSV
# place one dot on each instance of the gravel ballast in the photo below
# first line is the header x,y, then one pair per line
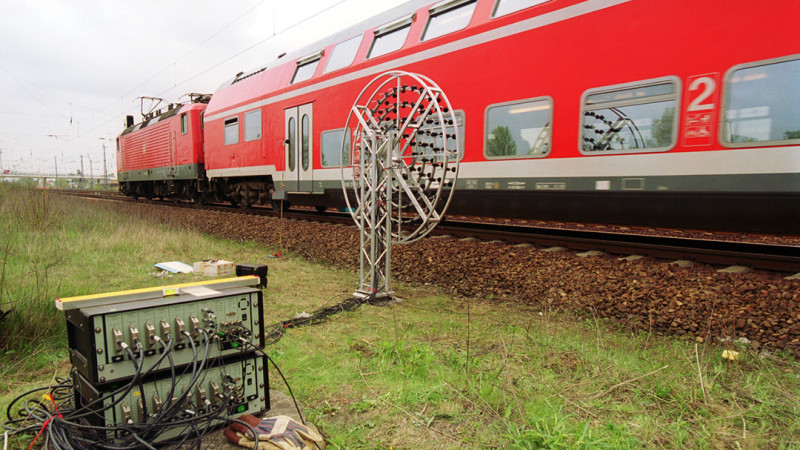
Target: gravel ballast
x,y
762,308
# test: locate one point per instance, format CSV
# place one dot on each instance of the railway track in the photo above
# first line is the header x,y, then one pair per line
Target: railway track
x,y
771,257
780,258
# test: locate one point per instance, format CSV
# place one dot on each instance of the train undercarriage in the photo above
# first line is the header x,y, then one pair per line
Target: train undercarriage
x,y
239,192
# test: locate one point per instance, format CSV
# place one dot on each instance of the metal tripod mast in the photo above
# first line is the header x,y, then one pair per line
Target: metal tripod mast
x,y
399,170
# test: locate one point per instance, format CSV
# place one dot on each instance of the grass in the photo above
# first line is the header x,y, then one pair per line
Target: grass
x,y
55,246
428,372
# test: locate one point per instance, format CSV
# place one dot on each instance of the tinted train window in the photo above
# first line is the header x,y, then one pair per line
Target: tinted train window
x,y
519,129
252,125
306,68
426,140
762,104
304,128
291,133
231,131
504,7
184,123
343,54
449,17
390,37
331,147
630,118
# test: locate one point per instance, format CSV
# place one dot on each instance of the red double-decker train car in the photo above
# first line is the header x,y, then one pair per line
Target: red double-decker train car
x,y
162,156
679,113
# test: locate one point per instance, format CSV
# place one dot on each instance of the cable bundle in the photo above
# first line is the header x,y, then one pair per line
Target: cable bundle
x,y
67,420
274,332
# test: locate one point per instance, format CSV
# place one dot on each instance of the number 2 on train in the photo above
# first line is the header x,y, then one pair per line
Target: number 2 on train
x,y
700,116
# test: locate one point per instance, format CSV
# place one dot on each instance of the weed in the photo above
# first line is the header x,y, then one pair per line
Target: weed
x,y
430,372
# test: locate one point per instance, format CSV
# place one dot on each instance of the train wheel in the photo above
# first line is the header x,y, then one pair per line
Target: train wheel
x,y
277,205
197,199
320,209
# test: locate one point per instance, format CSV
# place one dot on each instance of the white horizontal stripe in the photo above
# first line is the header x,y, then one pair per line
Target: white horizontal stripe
x,y
770,160
720,162
242,171
332,174
491,35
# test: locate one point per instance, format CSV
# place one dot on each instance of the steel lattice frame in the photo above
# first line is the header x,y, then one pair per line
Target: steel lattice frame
x,y
402,168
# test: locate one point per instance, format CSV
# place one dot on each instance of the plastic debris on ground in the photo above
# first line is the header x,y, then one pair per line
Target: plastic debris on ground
x,y
731,355
161,274
174,267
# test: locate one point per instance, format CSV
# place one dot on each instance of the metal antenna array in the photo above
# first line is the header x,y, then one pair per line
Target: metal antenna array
x,y
398,170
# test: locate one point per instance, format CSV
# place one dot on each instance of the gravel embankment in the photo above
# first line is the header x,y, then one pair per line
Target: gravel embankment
x,y
648,295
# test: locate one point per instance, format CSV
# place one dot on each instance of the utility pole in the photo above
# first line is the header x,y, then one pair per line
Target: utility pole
x,y
55,161
91,173
105,168
81,178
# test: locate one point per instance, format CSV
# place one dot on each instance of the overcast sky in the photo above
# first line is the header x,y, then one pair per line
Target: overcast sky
x,y
71,70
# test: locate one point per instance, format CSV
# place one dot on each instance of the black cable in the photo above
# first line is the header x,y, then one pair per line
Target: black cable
x,y
72,430
273,333
288,387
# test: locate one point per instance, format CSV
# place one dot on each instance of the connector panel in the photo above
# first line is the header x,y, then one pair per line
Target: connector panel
x,y
104,339
235,387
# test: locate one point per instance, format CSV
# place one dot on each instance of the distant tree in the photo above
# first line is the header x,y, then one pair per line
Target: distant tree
x,y
792,134
741,138
501,143
662,129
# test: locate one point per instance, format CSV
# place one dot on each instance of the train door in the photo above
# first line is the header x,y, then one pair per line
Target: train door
x,y
298,170
172,156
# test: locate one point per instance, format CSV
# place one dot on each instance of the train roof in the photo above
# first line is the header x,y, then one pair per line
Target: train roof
x,y
276,76
342,35
155,118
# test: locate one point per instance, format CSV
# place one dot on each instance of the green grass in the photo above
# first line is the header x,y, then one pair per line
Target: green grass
x,y
428,372
56,246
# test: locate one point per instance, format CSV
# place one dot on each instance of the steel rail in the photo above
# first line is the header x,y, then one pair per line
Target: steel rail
x,y
772,257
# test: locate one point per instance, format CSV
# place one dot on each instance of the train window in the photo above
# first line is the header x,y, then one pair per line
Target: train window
x,y
630,118
448,16
761,104
232,131
304,127
426,141
252,125
184,123
390,37
291,133
343,54
519,129
306,67
332,145
503,7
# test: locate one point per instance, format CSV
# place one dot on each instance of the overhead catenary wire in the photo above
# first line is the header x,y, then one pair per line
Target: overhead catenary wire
x,y
214,66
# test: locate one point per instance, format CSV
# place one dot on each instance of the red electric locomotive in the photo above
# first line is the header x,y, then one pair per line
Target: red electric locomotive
x,y
162,156
679,113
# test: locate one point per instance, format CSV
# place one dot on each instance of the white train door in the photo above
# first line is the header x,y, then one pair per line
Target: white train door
x,y
299,144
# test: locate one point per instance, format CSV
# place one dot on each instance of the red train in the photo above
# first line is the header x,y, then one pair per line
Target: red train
x,y
163,155
679,113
